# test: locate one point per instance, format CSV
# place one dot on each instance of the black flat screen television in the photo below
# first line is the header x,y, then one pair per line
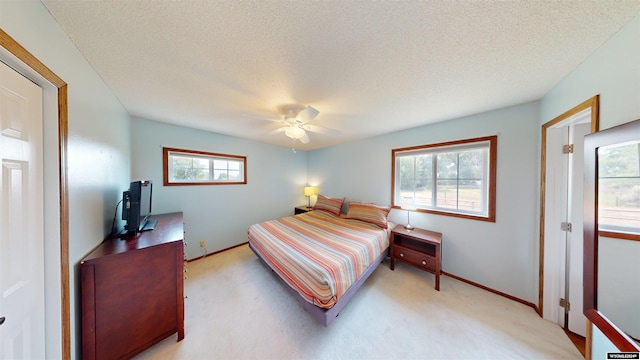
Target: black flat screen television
x,y
136,207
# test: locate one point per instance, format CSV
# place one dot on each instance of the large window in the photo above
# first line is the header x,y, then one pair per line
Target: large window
x,y
188,167
455,178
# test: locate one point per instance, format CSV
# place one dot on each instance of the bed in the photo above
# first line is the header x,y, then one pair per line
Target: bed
x,y
323,257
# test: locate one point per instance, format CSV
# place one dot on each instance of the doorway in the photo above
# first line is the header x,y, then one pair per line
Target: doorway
x,y
22,273
56,198
560,288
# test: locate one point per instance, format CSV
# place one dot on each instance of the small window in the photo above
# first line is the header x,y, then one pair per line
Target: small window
x,y
188,167
455,178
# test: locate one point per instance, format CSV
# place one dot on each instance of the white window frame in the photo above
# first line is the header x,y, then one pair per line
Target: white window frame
x,y
488,198
168,173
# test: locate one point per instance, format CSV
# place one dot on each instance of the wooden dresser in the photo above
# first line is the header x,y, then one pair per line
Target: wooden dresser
x,y
132,291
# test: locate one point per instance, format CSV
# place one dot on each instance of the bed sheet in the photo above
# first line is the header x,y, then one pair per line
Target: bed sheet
x,y
318,254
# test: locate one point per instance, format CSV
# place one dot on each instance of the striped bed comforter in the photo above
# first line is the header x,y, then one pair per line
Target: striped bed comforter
x,y
318,254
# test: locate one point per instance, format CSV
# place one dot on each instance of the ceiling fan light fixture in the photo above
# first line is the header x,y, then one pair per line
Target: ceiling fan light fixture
x,y
294,132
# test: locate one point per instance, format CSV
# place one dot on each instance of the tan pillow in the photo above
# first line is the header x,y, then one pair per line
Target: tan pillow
x,y
370,213
330,205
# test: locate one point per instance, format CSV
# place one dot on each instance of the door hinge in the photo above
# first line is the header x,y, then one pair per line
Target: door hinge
x,y
567,149
564,303
565,226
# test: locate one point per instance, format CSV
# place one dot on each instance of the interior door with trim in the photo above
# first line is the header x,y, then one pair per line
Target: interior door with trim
x,y
576,319
21,218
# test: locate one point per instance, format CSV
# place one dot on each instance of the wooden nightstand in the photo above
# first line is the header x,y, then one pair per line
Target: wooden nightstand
x,y
301,210
417,247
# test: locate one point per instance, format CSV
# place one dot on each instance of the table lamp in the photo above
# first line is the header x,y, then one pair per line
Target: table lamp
x,y
308,192
408,208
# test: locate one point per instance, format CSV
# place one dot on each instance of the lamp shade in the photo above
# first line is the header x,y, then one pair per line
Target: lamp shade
x,y
310,190
294,132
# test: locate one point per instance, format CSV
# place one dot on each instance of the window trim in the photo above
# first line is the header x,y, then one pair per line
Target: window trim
x,y
491,198
166,152
619,235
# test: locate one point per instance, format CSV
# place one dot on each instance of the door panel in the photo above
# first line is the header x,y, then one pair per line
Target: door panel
x,y
577,320
21,218
557,165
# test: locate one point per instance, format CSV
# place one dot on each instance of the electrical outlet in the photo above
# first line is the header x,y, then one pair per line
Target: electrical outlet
x,y
203,243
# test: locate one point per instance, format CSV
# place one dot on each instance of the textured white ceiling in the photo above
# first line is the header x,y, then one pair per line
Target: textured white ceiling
x,y
369,67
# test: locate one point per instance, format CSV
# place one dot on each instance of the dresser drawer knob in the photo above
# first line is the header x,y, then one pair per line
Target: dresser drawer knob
x,y
401,255
424,262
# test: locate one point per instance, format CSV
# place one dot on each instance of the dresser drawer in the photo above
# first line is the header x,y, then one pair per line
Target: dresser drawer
x,y
414,258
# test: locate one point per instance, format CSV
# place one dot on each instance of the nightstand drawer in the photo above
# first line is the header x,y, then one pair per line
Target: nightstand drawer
x,y
417,247
415,258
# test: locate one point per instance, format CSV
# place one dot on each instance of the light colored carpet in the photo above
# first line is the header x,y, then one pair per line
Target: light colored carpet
x,y
237,309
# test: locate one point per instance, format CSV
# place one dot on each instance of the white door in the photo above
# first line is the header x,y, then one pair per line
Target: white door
x,y
556,188
21,218
576,319
563,252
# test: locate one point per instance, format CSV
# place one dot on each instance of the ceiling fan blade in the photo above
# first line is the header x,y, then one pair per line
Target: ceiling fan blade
x,y
321,130
261,117
307,114
277,131
305,139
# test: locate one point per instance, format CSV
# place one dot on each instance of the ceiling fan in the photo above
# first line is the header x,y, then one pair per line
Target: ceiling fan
x,y
295,123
